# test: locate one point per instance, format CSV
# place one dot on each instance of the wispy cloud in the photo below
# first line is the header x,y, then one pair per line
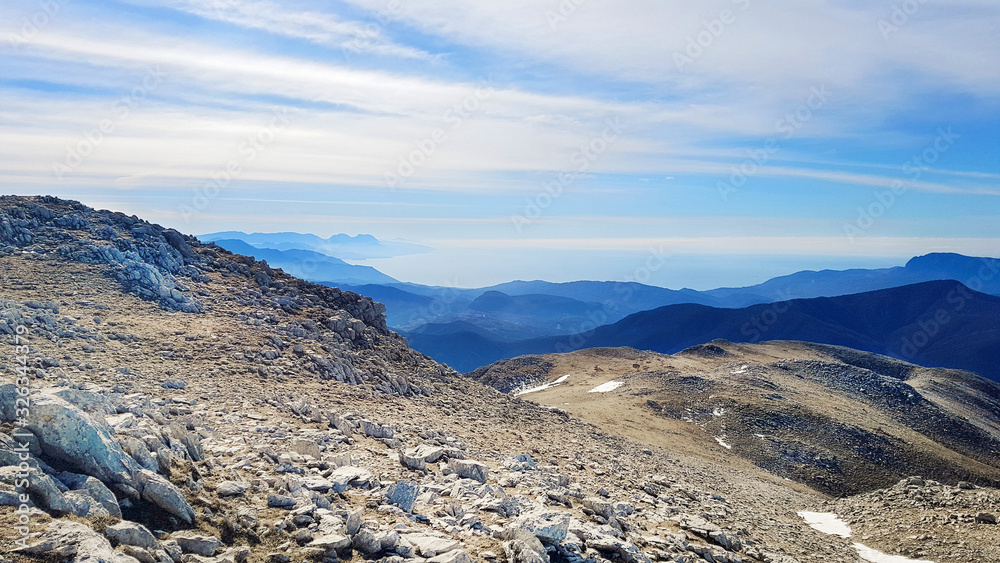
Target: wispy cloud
x,y
321,28
371,88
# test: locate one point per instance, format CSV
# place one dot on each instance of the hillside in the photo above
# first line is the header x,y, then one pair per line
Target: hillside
x,y
188,404
936,324
838,420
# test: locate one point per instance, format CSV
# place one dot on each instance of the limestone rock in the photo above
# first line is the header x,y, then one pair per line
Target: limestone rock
x,y
96,489
131,533
470,469
43,487
331,541
428,545
164,494
403,494
547,525
72,539
411,461
280,501
366,542
230,489
349,476
197,544
70,435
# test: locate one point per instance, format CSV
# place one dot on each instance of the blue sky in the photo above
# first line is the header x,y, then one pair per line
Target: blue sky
x,y
723,141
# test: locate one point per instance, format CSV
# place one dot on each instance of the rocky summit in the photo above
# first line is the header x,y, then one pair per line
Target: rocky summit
x,y
164,400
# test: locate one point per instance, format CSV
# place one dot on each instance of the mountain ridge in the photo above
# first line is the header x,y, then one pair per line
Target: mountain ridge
x,y
912,329
342,246
308,265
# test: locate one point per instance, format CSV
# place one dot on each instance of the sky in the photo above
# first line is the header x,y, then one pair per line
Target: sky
x,y
681,144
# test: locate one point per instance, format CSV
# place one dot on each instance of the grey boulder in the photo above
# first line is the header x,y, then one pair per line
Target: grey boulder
x,y
547,525
96,489
157,490
469,469
131,533
198,544
44,488
72,539
403,494
230,489
68,434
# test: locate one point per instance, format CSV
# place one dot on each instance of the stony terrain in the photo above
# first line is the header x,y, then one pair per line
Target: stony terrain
x,y
926,519
185,404
835,419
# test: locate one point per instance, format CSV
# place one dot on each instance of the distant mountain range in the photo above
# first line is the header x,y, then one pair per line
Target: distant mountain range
x,y
345,247
596,303
876,310
937,324
307,264
980,274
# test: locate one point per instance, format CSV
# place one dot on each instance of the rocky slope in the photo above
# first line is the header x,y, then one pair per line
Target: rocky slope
x,y
181,403
838,420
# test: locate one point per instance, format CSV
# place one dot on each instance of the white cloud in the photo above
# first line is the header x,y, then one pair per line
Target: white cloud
x,y
743,245
312,25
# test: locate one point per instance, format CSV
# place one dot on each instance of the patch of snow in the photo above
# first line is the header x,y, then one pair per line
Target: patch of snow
x,y
741,369
761,436
718,411
875,556
830,523
605,387
722,442
543,387
826,522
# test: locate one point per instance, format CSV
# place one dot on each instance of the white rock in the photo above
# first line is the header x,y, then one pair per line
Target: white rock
x,y
470,469
65,538
131,533
230,489
428,545
157,490
547,525
194,543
